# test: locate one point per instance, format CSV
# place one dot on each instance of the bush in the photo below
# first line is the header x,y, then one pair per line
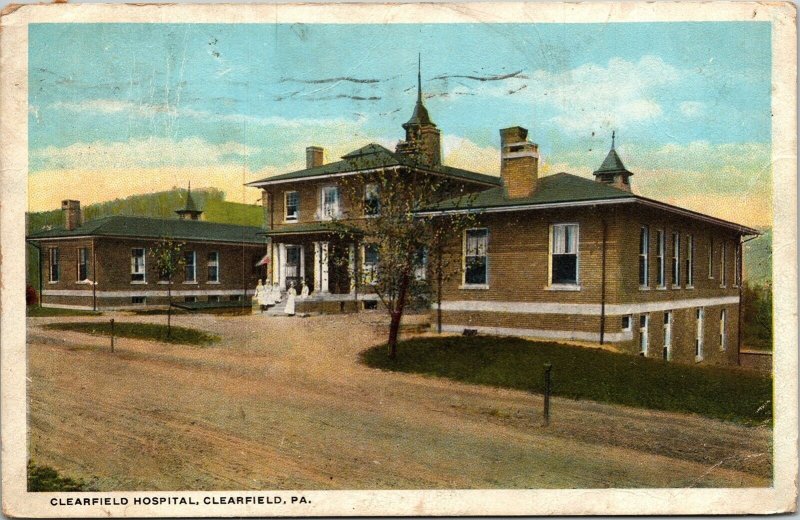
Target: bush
x,y
31,296
757,316
45,478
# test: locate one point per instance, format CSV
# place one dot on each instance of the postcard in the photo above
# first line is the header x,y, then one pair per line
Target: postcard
x,y
398,259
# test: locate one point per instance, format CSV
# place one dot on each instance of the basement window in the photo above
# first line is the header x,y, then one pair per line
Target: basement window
x,y
138,300
626,323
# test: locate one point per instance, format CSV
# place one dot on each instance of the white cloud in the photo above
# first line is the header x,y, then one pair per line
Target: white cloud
x,y
692,109
463,153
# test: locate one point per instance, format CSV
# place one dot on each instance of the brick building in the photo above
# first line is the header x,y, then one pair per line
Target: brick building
x,y
107,263
558,257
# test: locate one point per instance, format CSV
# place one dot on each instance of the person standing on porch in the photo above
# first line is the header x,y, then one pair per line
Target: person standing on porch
x,y
304,291
290,296
261,295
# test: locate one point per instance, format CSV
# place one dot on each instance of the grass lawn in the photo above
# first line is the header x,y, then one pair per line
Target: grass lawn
x,y
583,373
150,331
36,311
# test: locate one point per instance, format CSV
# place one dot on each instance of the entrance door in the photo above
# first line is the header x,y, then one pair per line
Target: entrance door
x,y
293,264
668,335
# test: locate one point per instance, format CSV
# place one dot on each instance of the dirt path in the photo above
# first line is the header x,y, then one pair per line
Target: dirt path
x,y
283,403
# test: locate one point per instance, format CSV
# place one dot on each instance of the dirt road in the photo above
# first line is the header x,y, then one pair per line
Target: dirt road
x,y
282,403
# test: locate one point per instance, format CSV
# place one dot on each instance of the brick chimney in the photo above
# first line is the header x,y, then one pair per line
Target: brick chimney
x,y
72,214
314,156
519,162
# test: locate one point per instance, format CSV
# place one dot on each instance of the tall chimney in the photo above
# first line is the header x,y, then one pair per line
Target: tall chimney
x,y
519,162
72,214
314,156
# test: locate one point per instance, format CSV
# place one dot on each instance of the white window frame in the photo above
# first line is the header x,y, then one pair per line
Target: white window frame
x,y
370,269
296,216
561,285
699,334
737,272
628,327
194,268
723,326
80,252
723,279
689,262
644,334
668,318
661,268
54,265
644,257
711,258
377,191
135,270
676,260
335,212
464,284
213,264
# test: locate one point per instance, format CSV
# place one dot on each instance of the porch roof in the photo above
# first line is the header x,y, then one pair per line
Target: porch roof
x,y
305,228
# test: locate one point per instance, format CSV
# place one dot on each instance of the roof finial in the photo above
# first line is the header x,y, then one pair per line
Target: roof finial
x,y
419,77
613,137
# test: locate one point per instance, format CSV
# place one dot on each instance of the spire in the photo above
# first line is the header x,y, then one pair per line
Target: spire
x,y
612,171
190,209
420,116
613,137
419,78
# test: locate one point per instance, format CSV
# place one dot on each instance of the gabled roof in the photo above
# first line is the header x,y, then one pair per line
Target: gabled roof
x,y
145,227
564,190
370,157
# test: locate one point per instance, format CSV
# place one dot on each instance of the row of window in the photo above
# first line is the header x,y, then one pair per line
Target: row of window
x,y
330,202
142,300
699,353
674,260
138,265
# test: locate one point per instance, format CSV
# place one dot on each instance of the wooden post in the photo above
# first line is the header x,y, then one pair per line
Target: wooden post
x,y
547,387
112,335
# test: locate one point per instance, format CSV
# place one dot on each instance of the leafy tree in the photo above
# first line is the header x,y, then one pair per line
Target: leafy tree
x,y
168,260
382,216
757,315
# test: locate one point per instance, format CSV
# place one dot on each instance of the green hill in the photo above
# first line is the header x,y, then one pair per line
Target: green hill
x,y
160,204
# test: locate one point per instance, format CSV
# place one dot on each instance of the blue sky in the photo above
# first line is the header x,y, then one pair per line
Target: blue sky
x,y
145,106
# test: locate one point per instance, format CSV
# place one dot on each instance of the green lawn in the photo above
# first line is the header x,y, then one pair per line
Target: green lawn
x,y
583,373
36,311
149,331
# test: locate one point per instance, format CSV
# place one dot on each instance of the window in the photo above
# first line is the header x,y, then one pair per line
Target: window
x,y
330,202
644,254
698,335
737,265
236,298
54,264
711,258
213,298
689,261
138,300
476,244
564,254
626,323
644,320
83,264
660,268
213,267
371,256
668,335
190,269
372,199
676,260
421,264
137,265
190,299
722,265
723,338
291,203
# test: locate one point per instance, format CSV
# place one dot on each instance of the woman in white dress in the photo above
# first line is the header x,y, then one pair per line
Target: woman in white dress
x,y
290,296
260,295
304,291
275,294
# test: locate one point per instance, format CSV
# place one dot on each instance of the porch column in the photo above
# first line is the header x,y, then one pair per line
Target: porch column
x,y
317,267
303,277
282,267
323,275
275,263
351,266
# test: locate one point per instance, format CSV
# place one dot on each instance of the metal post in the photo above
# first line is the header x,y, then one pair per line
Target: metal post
x,y
112,335
547,387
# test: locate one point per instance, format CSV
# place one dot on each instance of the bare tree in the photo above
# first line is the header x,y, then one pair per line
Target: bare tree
x,y
168,260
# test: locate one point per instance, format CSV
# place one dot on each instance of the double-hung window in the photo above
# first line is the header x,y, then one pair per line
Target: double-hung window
x,y
291,201
689,261
372,199
737,265
676,260
371,258
722,265
723,337
644,256
564,254
83,264
644,338
190,267
710,258
476,242
660,268
137,265
330,202
698,335
54,258
213,267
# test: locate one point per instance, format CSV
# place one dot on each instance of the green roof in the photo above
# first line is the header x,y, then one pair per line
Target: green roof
x,y
376,156
561,187
144,227
612,164
304,228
